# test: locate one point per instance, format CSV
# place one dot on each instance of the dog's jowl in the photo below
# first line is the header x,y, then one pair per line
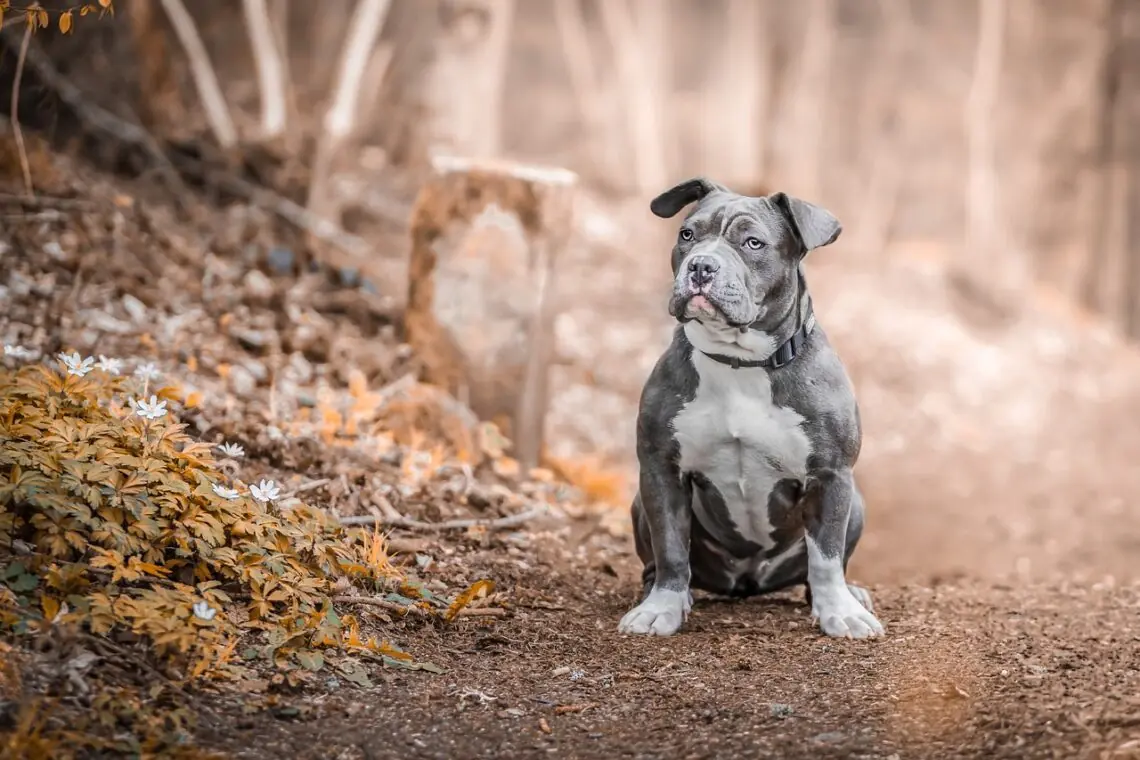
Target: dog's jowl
x,y
748,429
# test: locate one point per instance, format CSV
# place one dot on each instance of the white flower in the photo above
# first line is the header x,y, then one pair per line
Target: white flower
x,y
147,371
151,410
204,611
265,491
225,493
76,364
20,353
109,365
232,450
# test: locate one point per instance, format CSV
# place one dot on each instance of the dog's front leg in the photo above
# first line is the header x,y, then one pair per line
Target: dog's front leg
x,y
665,500
827,501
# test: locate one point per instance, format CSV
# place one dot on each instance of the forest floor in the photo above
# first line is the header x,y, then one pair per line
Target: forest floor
x,y
1001,559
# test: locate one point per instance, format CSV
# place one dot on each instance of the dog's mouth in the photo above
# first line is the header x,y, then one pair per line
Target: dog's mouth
x,y
700,305
697,305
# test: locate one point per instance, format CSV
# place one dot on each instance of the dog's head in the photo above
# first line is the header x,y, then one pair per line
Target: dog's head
x,y
736,258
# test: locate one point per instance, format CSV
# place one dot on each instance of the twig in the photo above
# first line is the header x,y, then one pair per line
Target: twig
x,y
202,71
312,485
15,111
106,644
322,229
47,203
498,524
370,601
404,609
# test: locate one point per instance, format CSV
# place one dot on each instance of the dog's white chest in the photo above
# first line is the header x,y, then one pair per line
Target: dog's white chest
x,y
735,436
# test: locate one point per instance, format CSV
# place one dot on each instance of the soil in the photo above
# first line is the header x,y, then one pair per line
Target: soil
x,y
1013,625
966,671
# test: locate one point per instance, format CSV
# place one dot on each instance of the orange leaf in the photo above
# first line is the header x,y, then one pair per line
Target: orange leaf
x,y
65,22
51,608
478,588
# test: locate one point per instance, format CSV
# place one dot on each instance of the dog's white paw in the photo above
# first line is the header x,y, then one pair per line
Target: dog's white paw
x,y
661,614
844,612
862,595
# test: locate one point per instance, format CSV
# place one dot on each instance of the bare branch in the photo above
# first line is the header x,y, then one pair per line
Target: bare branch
x,y
271,71
981,187
364,28
15,111
510,521
205,78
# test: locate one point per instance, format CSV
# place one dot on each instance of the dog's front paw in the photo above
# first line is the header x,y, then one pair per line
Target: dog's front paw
x,y
661,614
842,615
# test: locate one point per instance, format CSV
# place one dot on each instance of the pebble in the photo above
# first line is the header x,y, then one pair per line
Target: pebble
x,y
135,308
257,369
242,381
281,260
777,710
258,286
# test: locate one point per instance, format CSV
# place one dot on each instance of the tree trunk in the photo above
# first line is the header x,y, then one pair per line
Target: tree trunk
x,y
636,39
485,239
467,76
799,137
735,140
1108,207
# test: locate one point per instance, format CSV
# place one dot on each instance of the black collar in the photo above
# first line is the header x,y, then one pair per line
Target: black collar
x,y
781,357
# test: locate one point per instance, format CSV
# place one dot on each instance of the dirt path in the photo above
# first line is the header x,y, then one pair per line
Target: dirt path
x,y
966,671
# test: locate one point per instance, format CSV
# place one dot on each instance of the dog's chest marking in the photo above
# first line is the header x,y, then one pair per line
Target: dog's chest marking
x,y
734,435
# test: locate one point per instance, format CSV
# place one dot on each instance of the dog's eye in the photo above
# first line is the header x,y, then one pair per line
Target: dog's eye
x,y
686,234
754,243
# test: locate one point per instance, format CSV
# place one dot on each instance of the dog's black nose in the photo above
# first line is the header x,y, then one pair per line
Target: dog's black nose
x,y
702,269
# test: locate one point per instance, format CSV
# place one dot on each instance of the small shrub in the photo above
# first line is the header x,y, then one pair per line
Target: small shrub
x,y
113,518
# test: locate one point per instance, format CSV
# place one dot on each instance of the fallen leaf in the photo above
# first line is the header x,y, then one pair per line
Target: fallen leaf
x,y
310,660
478,588
254,685
354,673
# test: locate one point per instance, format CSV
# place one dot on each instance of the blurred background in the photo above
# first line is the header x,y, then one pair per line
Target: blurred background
x,y
981,155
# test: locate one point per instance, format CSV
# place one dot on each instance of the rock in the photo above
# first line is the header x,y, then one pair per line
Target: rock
x,y
256,369
257,285
135,309
55,250
349,277
242,381
281,260
253,340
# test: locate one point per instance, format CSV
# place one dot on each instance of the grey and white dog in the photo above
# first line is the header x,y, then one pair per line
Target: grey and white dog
x,y
747,430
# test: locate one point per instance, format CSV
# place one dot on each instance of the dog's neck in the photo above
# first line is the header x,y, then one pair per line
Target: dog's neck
x,y
761,339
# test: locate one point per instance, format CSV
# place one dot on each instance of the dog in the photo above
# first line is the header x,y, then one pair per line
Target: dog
x,y
747,428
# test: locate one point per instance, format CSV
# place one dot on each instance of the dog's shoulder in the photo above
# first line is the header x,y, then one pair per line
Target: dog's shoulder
x,y
817,386
671,385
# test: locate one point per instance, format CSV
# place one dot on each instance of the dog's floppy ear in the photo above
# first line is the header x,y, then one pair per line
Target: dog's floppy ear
x,y
815,226
677,197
